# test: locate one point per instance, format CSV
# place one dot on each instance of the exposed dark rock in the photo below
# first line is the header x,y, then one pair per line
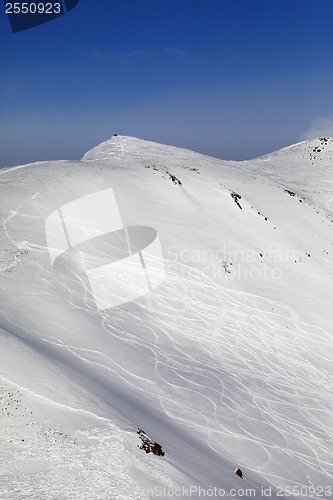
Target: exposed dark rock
x,y
291,193
148,445
174,179
239,473
236,197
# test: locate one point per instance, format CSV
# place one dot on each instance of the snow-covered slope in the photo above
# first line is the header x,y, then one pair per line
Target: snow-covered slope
x,y
228,363
306,168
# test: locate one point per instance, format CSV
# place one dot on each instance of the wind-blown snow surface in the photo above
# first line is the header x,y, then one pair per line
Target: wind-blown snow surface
x,y
227,364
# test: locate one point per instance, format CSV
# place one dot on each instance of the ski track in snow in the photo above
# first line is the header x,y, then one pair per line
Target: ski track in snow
x,y
235,341
241,333
14,255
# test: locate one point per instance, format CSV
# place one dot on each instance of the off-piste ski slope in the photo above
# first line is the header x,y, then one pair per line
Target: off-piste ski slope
x,y
227,364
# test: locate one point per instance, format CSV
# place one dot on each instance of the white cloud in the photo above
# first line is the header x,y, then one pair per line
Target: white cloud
x,y
320,127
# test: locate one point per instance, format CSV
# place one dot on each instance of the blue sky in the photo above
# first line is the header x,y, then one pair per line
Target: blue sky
x,y
233,79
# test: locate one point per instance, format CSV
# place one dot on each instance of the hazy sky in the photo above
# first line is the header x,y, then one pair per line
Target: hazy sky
x,y
229,78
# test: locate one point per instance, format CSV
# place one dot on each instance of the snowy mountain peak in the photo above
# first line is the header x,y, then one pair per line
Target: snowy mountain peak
x,y
113,147
305,168
119,145
322,147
